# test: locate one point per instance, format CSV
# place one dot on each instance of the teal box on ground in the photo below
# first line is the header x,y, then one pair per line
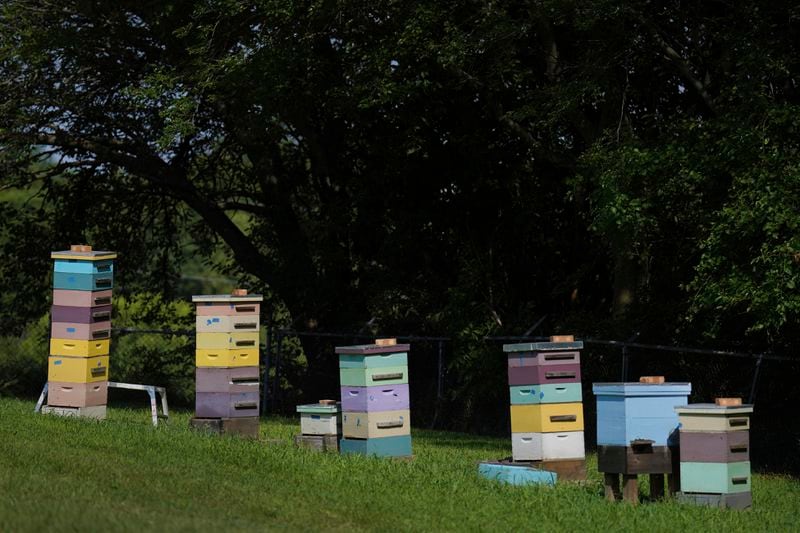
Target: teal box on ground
x,y
77,266
373,361
715,478
552,393
398,446
368,377
83,282
517,475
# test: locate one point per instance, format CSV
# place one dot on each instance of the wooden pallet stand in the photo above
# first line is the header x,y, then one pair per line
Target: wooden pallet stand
x,y
320,443
630,462
96,412
742,500
566,469
246,427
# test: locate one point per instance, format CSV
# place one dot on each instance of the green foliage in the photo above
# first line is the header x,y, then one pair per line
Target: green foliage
x,y
23,360
155,358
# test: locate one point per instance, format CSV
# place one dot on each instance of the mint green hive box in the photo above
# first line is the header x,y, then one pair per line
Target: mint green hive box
x,y
715,478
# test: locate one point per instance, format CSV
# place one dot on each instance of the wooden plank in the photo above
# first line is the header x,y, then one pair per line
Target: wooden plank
x,y
630,488
741,500
567,469
385,342
239,292
656,486
96,412
562,338
319,443
627,460
728,401
245,427
652,379
611,485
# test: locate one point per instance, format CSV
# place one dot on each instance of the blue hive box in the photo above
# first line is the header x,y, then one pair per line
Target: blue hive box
x,y
633,411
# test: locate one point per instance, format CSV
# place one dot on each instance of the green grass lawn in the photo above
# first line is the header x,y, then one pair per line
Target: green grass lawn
x,y
61,474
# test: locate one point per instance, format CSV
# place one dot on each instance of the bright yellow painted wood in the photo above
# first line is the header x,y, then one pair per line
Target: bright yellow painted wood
x,y
77,369
226,358
240,340
547,418
79,348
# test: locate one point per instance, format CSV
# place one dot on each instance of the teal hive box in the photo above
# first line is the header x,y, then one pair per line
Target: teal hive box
x,y
371,376
553,393
639,411
516,475
373,361
398,446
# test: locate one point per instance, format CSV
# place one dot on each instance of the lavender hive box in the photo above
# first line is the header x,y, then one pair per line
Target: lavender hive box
x,y
230,380
544,374
714,446
226,405
543,358
375,398
80,315
76,331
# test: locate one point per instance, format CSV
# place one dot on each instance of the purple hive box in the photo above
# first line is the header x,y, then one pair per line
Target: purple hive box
x,y
376,398
544,374
80,315
225,405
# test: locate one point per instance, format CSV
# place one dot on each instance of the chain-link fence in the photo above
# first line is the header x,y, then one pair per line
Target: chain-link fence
x,y
301,367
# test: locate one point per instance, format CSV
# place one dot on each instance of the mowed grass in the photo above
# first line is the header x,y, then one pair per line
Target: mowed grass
x,y
61,474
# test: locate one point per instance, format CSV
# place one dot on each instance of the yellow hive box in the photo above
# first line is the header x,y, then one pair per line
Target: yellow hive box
x,y
547,418
234,340
79,348
226,358
77,369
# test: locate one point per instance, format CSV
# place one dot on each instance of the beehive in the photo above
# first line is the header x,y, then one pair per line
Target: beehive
x,y
227,361
546,400
715,454
376,416
80,341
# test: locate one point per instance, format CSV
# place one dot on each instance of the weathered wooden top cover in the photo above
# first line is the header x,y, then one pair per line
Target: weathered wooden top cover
x,y
372,349
83,256
714,409
227,298
543,346
641,389
320,408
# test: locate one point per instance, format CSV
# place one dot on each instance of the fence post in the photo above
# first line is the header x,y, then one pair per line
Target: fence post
x,y
755,379
265,376
276,388
624,376
439,382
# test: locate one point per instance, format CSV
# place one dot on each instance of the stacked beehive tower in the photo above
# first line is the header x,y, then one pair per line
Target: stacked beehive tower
x,y
637,433
546,405
80,338
376,416
320,425
226,398
715,453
